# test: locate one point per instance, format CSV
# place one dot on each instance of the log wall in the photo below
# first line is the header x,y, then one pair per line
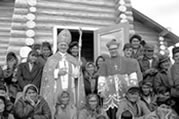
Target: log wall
x,y
6,11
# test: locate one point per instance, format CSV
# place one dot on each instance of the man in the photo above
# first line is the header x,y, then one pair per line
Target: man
x,y
137,47
147,95
175,78
128,51
59,74
115,75
149,63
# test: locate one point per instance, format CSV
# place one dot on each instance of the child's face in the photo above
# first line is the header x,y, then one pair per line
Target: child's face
x,y
2,92
133,97
128,52
146,90
164,97
93,102
65,98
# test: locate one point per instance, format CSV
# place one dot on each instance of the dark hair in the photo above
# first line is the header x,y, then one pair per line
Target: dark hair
x,y
126,115
47,44
163,90
3,87
10,56
32,88
60,96
36,47
96,63
133,90
34,53
143,43
127,45
5,113
89,96
135,36
72,44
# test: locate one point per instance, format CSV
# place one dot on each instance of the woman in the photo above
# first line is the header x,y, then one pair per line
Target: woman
x,y
3,112
99,61
29,72
92,110
74,51
64,109
10,71
31,105
90,80
46,51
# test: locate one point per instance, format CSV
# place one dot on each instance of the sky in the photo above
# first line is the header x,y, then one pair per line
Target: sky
x,y
164,12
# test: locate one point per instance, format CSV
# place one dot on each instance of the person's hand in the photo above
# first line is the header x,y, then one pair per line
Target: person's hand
x,y
162,111
14,80
28,98
62,72
102,94
153,71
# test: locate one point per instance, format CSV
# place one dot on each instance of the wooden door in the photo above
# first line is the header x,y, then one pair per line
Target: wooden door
x,y
120,32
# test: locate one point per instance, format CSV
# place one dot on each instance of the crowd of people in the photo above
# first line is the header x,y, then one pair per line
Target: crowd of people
x,y
138,85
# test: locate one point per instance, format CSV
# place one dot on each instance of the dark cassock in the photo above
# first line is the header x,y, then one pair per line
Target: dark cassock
x,y
116,75
60,73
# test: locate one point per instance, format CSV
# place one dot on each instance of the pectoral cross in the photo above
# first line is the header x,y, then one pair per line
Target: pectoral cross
x,y
116,67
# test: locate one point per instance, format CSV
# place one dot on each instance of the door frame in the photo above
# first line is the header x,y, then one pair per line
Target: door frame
x,y
124,27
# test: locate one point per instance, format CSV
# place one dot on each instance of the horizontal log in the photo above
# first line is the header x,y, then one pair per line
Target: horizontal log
x,y
45,19
48,4
89,2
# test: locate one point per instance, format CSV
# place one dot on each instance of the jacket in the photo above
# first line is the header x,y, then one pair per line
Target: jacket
x,y
125,105
24,110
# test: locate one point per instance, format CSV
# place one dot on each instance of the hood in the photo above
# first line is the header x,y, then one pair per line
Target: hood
x,y
26,87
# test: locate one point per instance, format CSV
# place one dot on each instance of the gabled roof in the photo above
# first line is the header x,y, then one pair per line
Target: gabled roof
x,y
138,16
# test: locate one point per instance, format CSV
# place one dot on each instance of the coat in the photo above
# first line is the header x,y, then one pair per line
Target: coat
x,y
174,70
24,110
52,86
162,79
125,105
25,76
88,114
70,112
88,84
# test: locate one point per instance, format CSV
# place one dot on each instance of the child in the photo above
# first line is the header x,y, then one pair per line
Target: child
x,y
64,110
133,103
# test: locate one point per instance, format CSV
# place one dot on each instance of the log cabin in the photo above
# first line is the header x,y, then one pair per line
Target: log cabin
x,y
22,20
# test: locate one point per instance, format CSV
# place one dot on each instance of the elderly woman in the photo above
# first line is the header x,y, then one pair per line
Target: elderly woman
x,y
31,105
92,110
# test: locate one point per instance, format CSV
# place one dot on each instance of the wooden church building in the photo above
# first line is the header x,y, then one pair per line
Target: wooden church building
x,y
23,21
